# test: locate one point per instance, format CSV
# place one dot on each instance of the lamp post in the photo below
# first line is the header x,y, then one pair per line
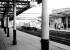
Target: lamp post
x,y
45,26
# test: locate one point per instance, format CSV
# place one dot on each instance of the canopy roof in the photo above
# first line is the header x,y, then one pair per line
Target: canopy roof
x,y
32,13
61,14
6,8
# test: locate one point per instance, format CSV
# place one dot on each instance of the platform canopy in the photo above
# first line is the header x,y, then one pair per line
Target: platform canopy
x,y
14,0
6,7
22,5
65,12
56,15
32,13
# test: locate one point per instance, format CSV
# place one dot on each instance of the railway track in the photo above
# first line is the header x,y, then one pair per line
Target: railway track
x,y
57,36
60,40
60,37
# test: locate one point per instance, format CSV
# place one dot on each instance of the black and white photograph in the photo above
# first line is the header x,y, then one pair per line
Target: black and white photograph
x,y
34,25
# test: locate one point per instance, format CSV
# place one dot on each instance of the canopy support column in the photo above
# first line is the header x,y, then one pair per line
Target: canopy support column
x,y
2,23
5,25
67,22
14,24
45,27
8,26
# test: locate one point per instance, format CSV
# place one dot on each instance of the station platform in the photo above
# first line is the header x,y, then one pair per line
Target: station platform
x,y
25,41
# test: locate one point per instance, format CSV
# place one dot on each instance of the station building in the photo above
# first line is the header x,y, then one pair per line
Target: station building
x,y
60,18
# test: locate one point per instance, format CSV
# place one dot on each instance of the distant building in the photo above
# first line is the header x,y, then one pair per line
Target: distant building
x,y
61,17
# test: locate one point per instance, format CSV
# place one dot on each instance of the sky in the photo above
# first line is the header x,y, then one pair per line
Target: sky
x,y
58,4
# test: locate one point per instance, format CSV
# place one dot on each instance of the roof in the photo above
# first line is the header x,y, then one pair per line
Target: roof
x,y
56,15
6,10
61,14
33,12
